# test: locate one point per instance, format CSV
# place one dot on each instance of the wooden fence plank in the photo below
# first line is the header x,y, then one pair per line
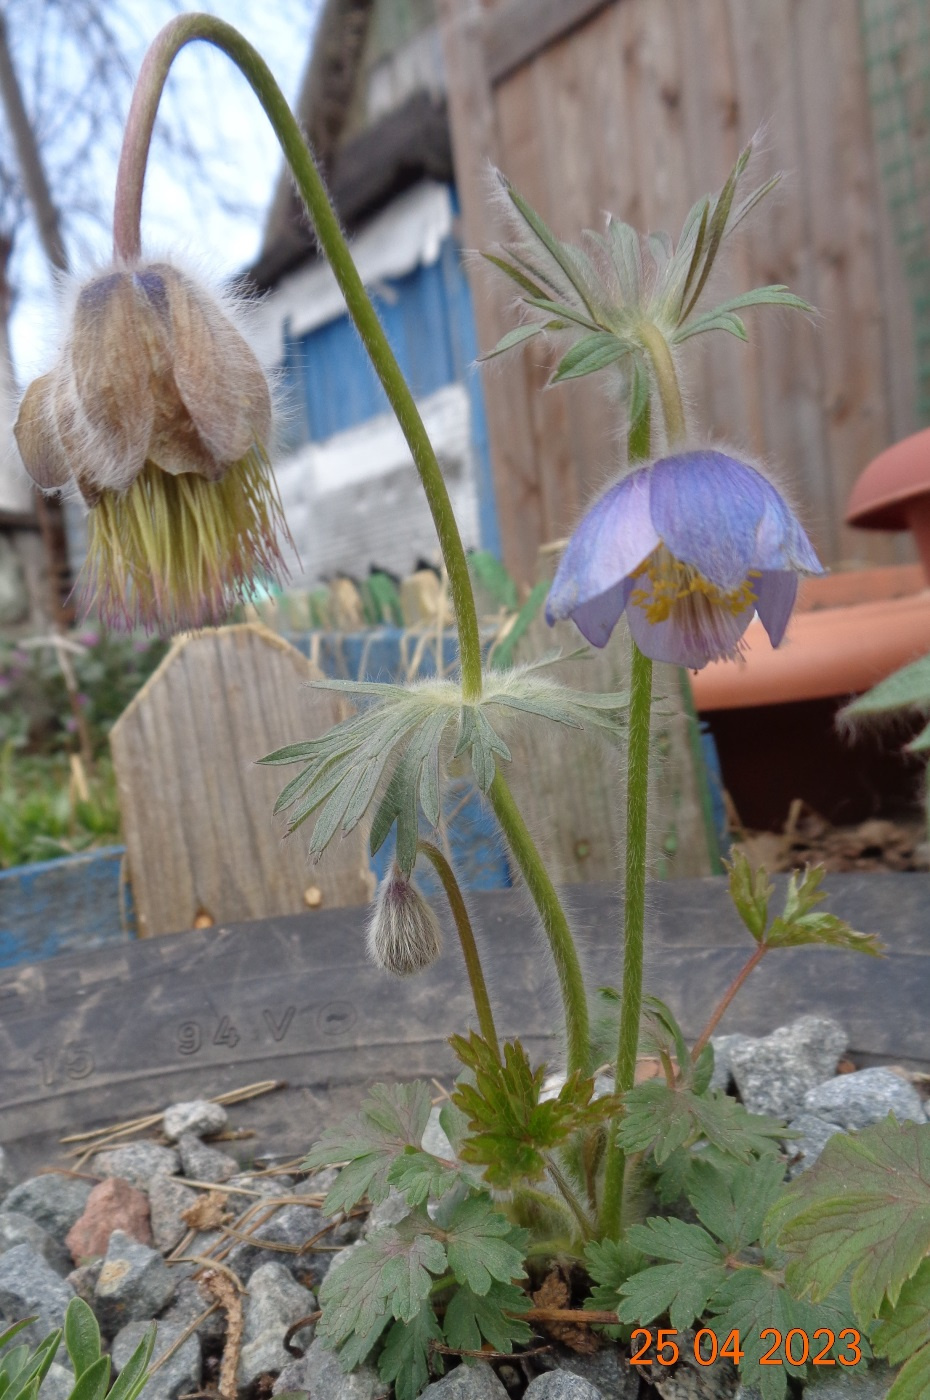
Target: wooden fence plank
x,y
197,811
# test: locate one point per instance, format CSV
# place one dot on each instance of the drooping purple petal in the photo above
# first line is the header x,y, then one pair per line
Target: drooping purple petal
x,y
707,507
598,617
696,631
775,591
614,537
781,542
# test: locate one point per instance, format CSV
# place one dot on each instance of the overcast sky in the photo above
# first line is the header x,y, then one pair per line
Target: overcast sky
x,y
231,130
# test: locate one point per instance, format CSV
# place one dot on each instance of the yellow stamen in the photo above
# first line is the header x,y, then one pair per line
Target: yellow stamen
x,y
672,581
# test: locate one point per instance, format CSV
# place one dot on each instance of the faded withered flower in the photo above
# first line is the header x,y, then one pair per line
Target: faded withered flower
x,y
404,935
158,412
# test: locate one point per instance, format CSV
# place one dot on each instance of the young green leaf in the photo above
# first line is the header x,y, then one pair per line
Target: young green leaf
x,y
408,1349
420,1175
132,1378
10,1332
660,1120
511,1130
750,892
482,1245
733,1205
801,923
392,1119
92,1385
682,1287
390,1275
610,1263
863,1207
471,1319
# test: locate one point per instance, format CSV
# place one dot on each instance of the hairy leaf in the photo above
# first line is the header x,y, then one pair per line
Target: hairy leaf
x,y
591,353
733,1204
662,1119
800,924
902,1329
390,1275
482,1245
913,1380
472,1319
753,1299
391,1120
82,1335
518,336
906,689
406,1355
684,1286
510,1129
610,1263
419,1175
863,1207
750,892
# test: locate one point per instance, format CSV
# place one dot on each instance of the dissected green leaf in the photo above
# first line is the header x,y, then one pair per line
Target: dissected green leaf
x,y
733,1204
753,1299
864,1208
405,1359
392,1119
681,1288
420,1175
483,1245
904,1327
389,1276
913,1380
510,1128
610,1263
471,1319
800,924
660,1119
750,892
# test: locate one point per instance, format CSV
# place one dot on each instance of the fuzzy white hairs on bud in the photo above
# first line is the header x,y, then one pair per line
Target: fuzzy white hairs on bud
x,y
404,935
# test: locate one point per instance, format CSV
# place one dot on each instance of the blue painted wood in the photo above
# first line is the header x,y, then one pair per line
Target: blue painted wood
x,y
67,905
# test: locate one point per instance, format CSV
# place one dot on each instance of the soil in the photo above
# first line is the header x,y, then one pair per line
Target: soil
x,y
807,838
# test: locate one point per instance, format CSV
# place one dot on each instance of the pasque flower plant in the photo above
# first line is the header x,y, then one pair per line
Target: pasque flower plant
x,y
155,399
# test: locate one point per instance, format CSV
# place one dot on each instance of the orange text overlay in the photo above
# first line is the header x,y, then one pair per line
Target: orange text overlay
x,y
821,1348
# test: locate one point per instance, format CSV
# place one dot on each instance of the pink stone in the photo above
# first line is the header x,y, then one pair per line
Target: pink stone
x,y
113,1205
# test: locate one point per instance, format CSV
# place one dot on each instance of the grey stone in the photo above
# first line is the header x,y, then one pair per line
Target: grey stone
x,y
52,1200
7,1175
266,1185
275,1302
320,1375
58,1383
391,1211
16,1228
856,1100
607,1370
84,1279
134,1283
321,1181
29,1285
723,1072
137,1162
200,1117
852,1383
204,1163
476,1382
774,1074
434,1137
292,1225
180,1374
561,1385
190,1302
815,1134
167,1198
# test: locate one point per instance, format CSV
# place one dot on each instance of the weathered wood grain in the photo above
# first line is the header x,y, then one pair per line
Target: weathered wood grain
x,y
197,810
639,107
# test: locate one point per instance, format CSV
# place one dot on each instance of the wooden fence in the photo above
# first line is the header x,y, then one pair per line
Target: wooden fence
x,y
638,107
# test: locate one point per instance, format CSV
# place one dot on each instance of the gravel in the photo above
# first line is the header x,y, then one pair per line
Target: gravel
x,y
137,1162
319,1375
203,1163
52,1200
134,1283
476,1382
16,1228
275,1302
774,1074
856,1100
199,1117
180,1374
29,1285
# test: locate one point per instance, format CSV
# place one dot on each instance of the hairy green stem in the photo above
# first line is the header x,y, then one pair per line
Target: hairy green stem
x,y
666,377
571,1200
554,922
479,988
127,248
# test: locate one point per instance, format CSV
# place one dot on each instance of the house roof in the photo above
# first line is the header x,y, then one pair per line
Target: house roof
x,y
362,174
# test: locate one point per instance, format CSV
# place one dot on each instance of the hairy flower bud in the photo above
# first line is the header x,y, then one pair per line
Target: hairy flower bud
x,y
404,935
158,411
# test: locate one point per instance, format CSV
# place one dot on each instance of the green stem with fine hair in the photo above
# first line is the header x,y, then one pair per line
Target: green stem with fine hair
x,y
479,988
637,799
554,922
127,248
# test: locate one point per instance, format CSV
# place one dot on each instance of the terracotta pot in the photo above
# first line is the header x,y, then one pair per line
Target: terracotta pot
x,y
893,493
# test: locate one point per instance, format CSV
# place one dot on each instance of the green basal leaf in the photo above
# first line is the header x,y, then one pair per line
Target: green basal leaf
x,y
904,1328
681,1288
391,1120
660,1120
92,1385
913,1380
610,1263
863,1208
419,1176
133,1377
906,689
510,1129
389,1276
471,1319
733,1204
407,1352
483,1246
10,1332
